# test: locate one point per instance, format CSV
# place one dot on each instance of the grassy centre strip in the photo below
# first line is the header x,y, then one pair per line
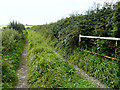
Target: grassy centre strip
x,y
46,70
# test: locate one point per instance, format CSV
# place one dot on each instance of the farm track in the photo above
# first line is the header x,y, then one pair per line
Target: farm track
x,y
22,71
84,74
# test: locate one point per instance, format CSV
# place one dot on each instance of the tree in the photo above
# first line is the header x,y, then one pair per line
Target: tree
x,y
16,26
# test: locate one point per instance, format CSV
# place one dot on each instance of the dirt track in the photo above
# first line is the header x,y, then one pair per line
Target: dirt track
x,y
22,71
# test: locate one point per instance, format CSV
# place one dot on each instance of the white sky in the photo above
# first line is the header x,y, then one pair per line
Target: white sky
x,y
36,12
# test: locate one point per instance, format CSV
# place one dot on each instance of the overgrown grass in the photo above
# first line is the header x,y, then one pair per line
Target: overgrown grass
x,y
47,70
107,71
11,57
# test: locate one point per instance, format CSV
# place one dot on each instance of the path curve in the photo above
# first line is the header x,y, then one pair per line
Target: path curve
x,y
22,71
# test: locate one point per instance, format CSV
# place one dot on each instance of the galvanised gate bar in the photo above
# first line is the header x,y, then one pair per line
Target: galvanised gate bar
x,y
95,37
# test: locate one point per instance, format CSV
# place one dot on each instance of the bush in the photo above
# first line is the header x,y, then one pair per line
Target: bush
x,y
9,38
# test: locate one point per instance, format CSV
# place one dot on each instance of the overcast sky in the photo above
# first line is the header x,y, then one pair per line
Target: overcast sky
x,y
37,12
